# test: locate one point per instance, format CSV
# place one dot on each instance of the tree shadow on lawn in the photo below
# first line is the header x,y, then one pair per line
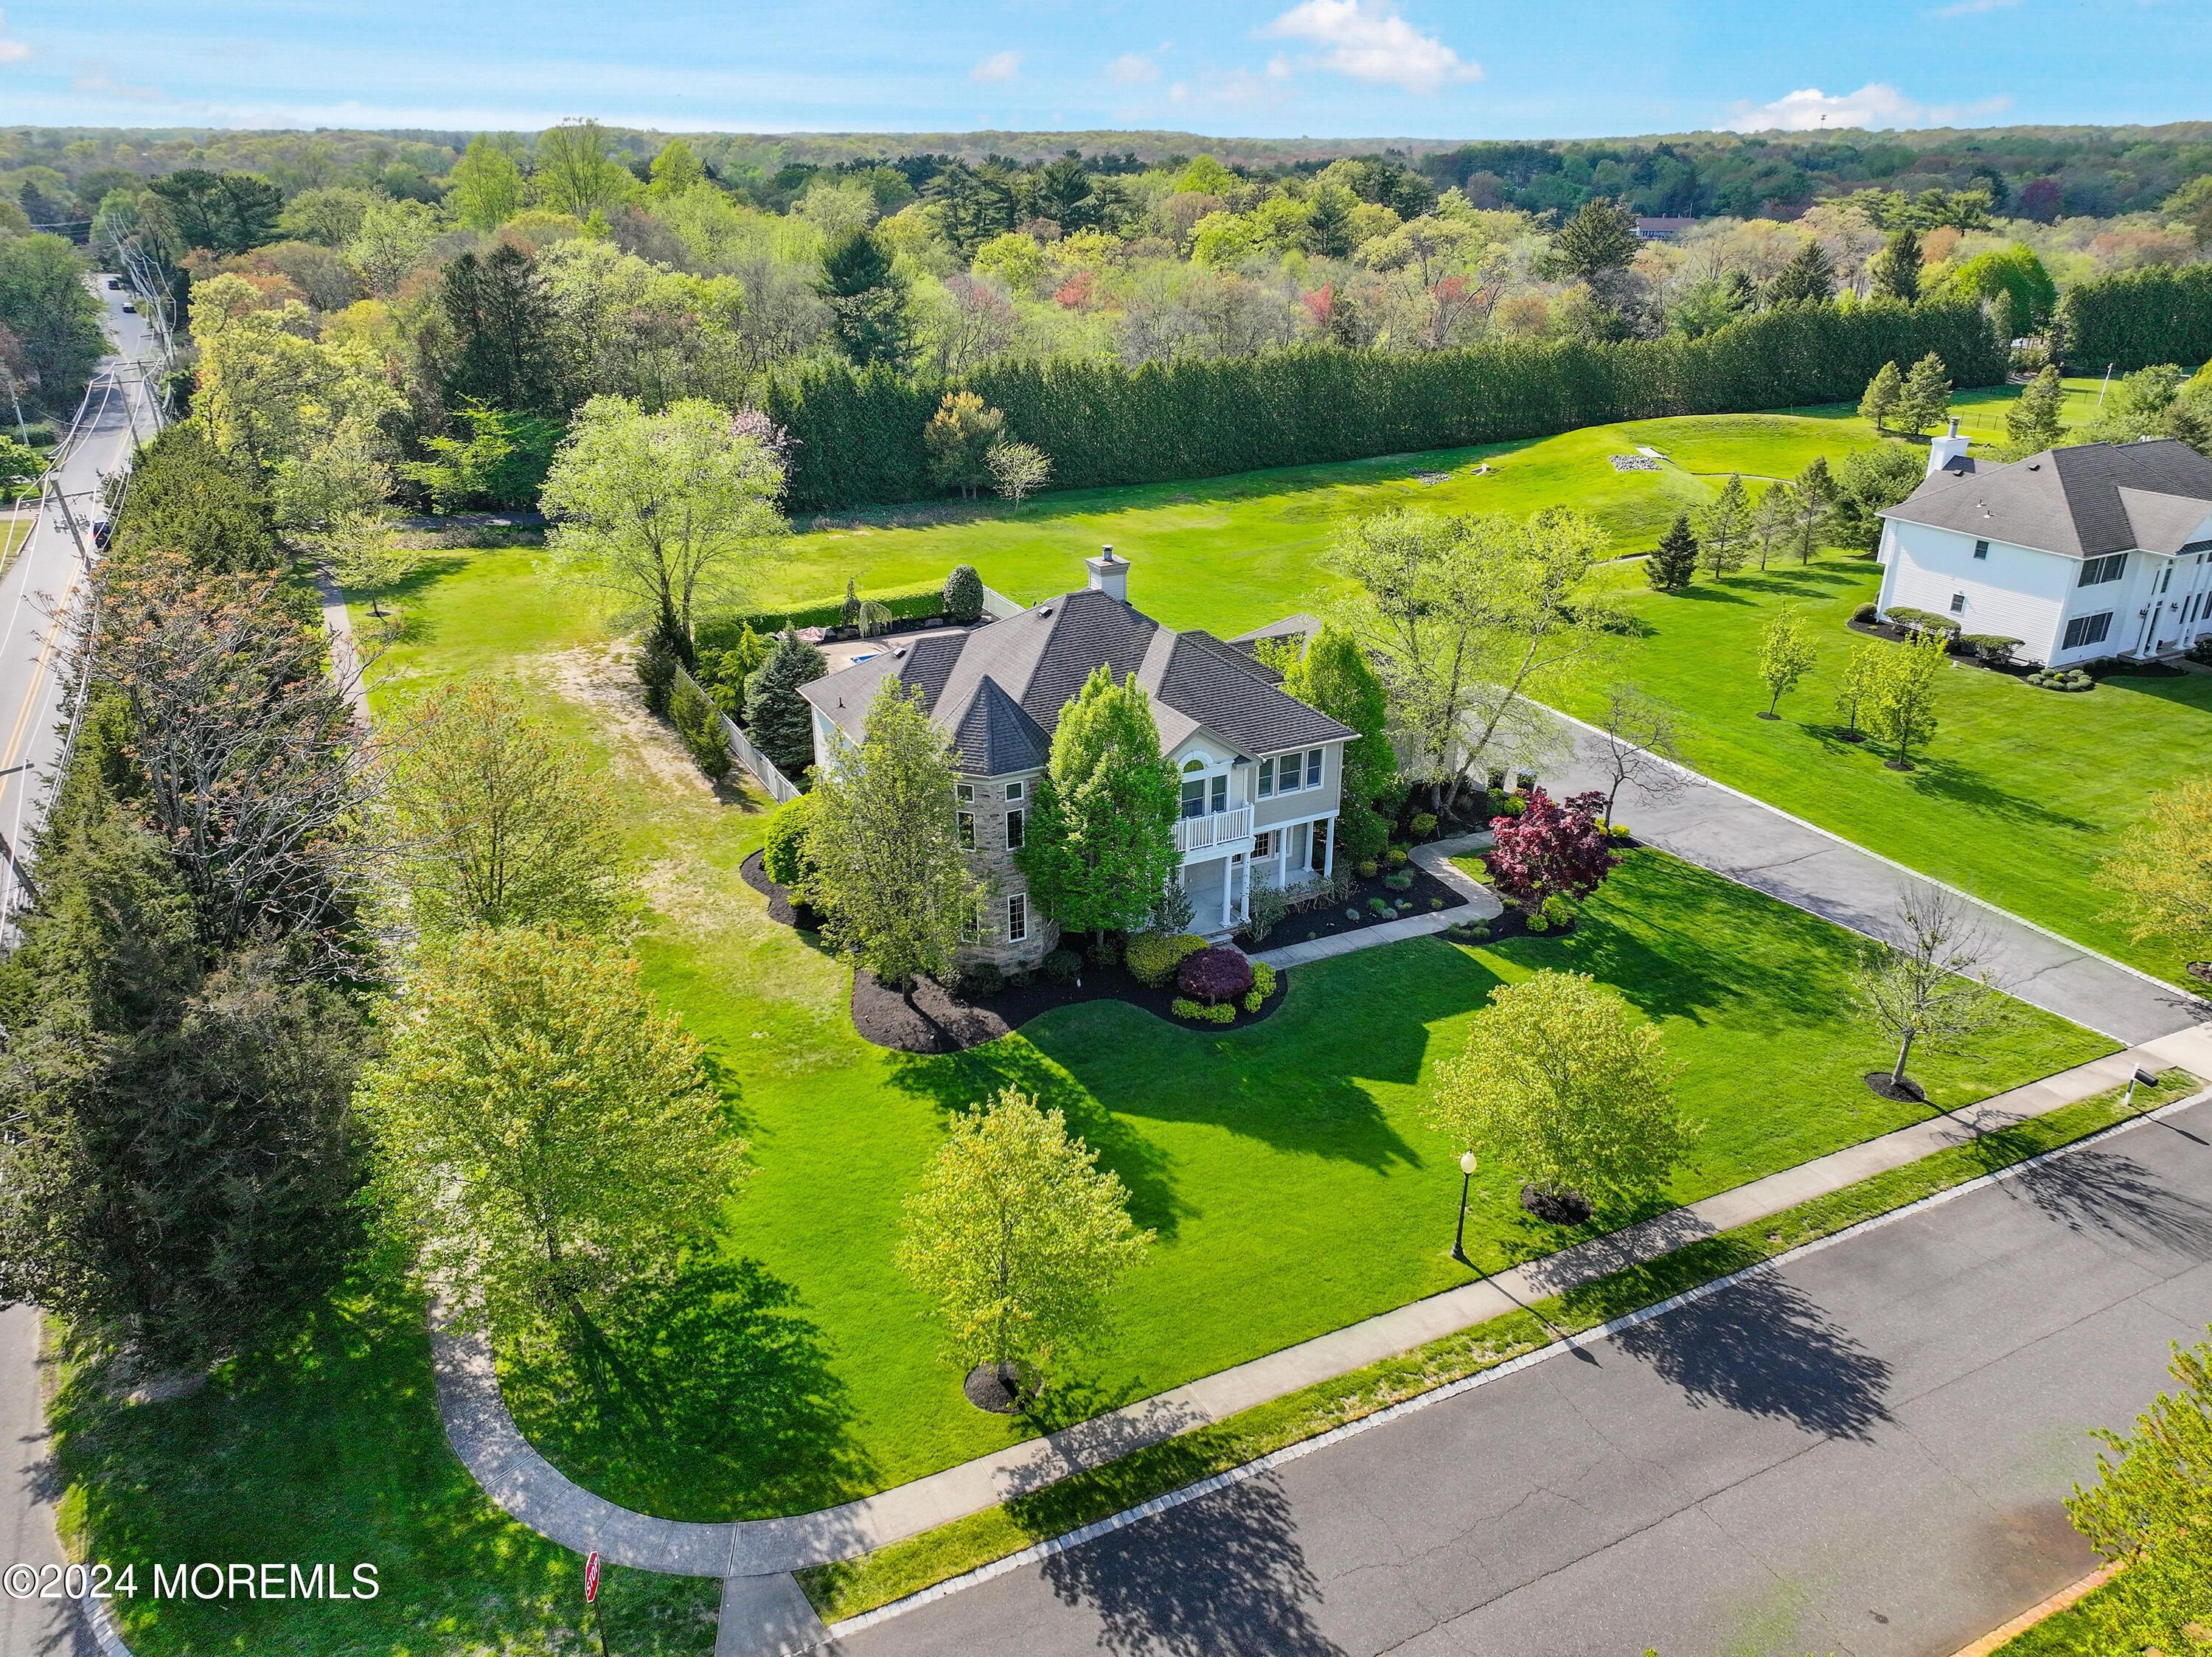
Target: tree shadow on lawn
x,y
705,1395
1806,581
2191,691
1221,1576
1947,779
329,1447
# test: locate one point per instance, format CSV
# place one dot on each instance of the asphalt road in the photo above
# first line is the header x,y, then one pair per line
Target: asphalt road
x,y
1864,1452
43,575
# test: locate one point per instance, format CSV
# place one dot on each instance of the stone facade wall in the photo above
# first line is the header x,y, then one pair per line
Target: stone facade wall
x,y
993,864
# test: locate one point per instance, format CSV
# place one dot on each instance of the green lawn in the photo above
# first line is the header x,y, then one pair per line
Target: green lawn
x,y
1292,1148
2016,800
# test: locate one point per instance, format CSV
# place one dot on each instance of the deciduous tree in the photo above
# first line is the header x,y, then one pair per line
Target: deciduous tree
x,y
2161,870
1785,656
1334,675
1639,741
484,190
1099,846
1018,1240
1855,690
1563,1080
1934,989
960,438
1017,470
1553,848
545,1134
1902,709
889,869
665,512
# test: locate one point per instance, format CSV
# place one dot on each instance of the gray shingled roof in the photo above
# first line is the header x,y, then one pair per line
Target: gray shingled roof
x,y
2082,502
997,691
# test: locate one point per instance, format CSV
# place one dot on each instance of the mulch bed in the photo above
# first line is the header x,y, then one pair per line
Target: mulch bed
x,y
931,1020
1906,1093
2104,667
1331,919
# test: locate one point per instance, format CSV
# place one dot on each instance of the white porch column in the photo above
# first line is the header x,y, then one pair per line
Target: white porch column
x,y
1326,828
1282,856
1228,891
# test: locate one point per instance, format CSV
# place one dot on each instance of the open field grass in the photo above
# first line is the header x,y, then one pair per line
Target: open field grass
x,y
2016,800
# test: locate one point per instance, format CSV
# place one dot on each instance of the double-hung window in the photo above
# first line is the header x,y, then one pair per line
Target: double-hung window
x,y
1981,549
2095,572
1313,768
1017,918
966,823
1194,797
1014,830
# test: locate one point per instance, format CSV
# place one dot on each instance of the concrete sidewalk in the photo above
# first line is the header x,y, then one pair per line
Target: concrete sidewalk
x,y
1434,858
523,1482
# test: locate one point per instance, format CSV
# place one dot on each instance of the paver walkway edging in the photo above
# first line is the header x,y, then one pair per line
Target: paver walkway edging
x,y
521,1480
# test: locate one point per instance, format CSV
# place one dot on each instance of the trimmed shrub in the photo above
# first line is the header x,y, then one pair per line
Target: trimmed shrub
x,y
1867,613
1393,856
1254,1000
906,604
1369,868
786,856
978,981
1992,648
1061,966
1380,908
963,594
1401,882
2062,678
699,723
1424,824
1214,975
1923,621
1225,1013
1154,957
1263,979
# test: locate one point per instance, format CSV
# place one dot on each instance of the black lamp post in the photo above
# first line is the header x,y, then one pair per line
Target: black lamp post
x,y
1465,1178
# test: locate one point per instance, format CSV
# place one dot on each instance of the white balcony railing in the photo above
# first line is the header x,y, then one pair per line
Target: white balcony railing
x,y
1214,829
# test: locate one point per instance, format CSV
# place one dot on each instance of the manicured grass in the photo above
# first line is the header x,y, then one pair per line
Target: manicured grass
x,y
2017,799
851,1586
2067,1633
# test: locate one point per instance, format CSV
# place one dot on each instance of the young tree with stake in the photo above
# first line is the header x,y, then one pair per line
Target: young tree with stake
x,y
1562,1078
1018,1240
1785,656
889,869
1932,990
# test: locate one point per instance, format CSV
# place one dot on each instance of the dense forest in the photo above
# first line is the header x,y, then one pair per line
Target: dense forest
x,y
456,296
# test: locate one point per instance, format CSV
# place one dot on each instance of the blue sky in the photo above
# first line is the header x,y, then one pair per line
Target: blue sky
x,y
1283,68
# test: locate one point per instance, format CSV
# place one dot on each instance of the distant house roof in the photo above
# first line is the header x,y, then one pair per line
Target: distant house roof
x,y
1301,626
1662,229
2082,502
997,691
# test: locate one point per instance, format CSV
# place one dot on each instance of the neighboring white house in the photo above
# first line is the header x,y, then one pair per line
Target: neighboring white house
x,y
2099,550
1260,770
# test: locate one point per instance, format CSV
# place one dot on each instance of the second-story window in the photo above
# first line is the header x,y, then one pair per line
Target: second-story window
x,y
1266,778
1220,794
966,823
1313,768
1289,773
2095,572
1013,830
964,793
1014,791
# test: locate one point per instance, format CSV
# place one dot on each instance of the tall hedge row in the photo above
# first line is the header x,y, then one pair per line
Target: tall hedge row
x,y
2131,319
861,433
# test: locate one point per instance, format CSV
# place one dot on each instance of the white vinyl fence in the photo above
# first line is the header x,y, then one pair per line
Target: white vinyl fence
x,y
780,788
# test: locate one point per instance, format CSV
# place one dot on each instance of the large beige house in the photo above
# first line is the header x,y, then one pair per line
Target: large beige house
x,y
1260,770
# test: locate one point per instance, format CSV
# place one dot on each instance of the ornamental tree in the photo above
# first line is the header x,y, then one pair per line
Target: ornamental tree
x,y
1099,845
1017,1238
2149,1513
963,594
1565,1081
1552,849
1933,990
959,438
1785,656
544,1132
2162,867
888,870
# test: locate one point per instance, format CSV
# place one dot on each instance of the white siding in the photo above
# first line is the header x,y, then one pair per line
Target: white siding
x,y
2015,592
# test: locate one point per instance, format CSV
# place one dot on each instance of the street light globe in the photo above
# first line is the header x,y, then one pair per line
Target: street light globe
x,y
1466,1163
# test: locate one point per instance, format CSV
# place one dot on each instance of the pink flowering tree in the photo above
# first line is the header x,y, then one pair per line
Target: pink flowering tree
x,y
1553,848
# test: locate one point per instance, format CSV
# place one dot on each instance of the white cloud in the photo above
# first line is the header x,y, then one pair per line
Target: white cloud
x,y
12,51
100,84
1877,106
1133,69
1969,8
1368,40
999,66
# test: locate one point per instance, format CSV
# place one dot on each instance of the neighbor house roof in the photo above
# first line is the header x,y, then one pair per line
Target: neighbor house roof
x,y
997,691
2082,502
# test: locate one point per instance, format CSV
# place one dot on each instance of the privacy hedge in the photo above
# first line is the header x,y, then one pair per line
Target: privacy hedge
x,y
908,604
860,432
2159,313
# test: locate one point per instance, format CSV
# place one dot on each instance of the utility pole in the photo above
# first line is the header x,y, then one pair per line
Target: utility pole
x,y
68,517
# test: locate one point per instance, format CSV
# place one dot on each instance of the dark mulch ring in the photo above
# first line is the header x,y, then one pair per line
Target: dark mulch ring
x,y
931,1018
1426,896
1907,1092
999,1390
2103,667
1556,1208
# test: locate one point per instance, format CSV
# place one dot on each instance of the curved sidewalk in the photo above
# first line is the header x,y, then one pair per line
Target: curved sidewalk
x,y
530,1489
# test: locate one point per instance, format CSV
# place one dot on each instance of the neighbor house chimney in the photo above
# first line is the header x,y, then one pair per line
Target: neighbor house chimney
x,y
1947,448
1108,574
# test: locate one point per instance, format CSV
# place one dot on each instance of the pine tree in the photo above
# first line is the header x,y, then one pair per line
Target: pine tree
x,y
1771,527
1927,396
867,301
779,719
502,323
1813,504
1896,268
1727,528
1810,278
2032,424
1674,562
1883,394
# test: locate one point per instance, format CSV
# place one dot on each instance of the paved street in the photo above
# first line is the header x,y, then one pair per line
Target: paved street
x,y
1749,842
1864,1452
31,687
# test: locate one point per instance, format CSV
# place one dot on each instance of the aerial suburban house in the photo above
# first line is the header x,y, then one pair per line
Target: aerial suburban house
x,y
1260,770
2099,550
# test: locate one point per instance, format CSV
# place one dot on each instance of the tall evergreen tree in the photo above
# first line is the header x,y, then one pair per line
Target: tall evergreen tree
x,y
2033,423
1727,528
1927,395
867,301
1810,278
1883,394
781,720
1896,268
1674,561
1100,844
502,324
